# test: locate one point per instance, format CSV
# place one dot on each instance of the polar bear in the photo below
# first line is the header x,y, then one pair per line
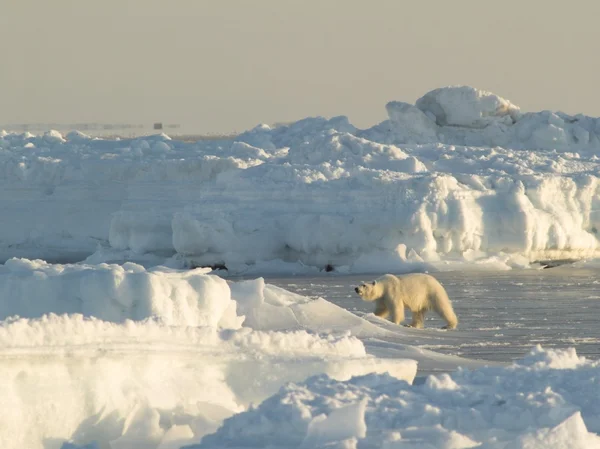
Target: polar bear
x,y
418,292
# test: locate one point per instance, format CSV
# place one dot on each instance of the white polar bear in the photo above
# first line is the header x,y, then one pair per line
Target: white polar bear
x,y
418,292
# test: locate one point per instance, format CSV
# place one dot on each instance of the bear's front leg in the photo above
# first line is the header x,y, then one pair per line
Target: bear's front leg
x,y
398,312
417,319
381,310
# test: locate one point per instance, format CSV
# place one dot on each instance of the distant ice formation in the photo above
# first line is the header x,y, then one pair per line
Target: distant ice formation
x,y
463,177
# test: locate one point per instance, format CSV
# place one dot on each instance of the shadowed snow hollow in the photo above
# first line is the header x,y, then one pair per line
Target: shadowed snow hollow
x,y
463,175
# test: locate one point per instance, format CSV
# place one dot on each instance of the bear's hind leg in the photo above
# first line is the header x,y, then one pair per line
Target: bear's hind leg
x,y
417,319
448,314
443,307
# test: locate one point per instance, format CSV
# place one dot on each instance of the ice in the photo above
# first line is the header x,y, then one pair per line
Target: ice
x,y
116,293
344,423
148,384
462,176
530,404
468,107
119,328
130,357
571,433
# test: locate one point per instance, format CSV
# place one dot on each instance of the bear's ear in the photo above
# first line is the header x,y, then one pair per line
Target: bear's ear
x,y
374,282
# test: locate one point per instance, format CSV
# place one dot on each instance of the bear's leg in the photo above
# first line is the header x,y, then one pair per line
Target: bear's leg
x,y
397,312
381,310
417,319
447,313
443,306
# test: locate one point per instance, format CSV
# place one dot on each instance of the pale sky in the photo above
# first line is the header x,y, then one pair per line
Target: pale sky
x,y
223,65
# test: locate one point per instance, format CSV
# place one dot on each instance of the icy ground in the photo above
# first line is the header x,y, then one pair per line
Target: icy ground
x,y
135,347
170,358
502,314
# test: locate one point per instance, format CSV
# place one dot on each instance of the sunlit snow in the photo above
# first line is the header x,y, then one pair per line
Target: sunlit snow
x,y
115,332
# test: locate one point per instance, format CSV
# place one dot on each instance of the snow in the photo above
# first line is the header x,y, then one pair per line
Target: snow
x,y
468,107
548,399
461,177
115,333
282,369
124,354
115,293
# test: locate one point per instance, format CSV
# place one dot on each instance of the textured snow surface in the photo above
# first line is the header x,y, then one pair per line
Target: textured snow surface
x,y
116,293
128,357
161,358
462,176
126,349
547,400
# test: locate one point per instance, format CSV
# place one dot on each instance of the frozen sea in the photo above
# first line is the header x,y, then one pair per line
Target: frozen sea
x,y
138,346
502,314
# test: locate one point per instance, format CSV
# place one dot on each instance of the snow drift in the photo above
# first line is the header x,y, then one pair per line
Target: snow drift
x,y
546,400
463,175
258,366
116,293
128,357
141,354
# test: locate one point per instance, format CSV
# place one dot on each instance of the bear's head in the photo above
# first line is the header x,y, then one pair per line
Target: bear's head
x,y
369,291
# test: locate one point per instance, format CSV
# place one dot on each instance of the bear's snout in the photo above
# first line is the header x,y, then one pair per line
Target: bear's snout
x,y
356,289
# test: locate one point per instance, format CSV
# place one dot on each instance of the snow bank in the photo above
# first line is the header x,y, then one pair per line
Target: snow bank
x,y
116,293
547,400
186,358
462,176
129,357
71,378
462,115
468,107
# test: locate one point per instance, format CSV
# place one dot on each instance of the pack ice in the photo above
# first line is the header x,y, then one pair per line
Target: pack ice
x,y
119,356
122,357
125,349
461,176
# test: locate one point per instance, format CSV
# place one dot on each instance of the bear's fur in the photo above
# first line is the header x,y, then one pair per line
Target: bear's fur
x,y
418,292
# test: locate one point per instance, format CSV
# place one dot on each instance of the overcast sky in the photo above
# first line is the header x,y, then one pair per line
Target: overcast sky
x,y
223,65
